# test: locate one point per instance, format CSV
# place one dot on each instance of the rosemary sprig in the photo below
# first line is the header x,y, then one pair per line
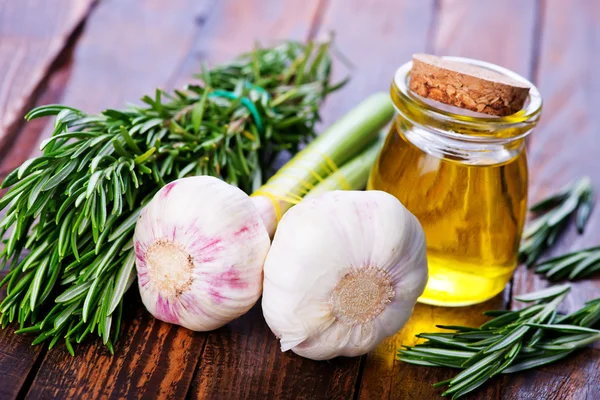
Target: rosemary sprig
x,y
513,341
554,214
573,265
74,207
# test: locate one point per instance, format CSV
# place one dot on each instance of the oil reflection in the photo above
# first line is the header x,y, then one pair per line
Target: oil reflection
x,y
424,319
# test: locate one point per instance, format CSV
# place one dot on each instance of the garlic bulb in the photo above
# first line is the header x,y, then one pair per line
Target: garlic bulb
x,y
344,272
197,267
200,244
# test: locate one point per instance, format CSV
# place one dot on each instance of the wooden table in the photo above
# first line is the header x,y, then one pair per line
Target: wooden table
x,y
95,56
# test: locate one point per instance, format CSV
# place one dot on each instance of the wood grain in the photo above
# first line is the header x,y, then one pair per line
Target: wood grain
x,y
116,61
127,49
243,361
152,360
236,26
25,142
565,147
32,34
381,36
574,378
17,358
502,33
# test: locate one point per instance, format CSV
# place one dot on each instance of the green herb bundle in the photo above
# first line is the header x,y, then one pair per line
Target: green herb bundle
x,y
73,209
513,341
554,214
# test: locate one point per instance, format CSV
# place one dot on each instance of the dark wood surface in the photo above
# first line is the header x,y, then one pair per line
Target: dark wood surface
x,y
33,33
95,56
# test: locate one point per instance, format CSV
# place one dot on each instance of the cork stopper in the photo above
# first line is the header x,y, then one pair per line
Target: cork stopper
x,y
466,86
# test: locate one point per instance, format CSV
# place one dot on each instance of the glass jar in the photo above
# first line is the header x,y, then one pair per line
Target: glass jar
x,y
464,176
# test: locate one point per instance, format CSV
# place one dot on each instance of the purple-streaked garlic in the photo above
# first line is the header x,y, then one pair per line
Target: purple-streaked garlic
x,y
201,243
196,267
344,272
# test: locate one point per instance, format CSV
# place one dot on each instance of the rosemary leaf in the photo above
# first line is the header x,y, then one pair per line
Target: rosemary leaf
x,y
573,265
534,362
553,216
543,294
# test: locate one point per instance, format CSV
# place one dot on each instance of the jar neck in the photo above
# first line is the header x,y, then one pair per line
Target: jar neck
x,y
461,135
467,152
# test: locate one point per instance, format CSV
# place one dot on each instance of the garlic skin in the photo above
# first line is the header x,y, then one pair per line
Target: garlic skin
x,y
344,272
200,245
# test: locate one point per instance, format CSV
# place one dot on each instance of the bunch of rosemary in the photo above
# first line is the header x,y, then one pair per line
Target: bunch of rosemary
x,y
74,207
513,341
554,214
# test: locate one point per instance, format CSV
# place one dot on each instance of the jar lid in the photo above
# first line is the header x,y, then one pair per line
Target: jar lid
x,y
466,86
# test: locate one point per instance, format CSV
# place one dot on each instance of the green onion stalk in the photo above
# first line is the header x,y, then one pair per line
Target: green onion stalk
x,y
353,175
306,172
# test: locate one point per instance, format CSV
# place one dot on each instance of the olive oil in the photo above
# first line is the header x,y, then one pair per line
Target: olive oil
x,y
455,156
472,214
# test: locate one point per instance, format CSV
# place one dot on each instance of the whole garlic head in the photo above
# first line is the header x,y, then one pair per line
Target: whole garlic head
x,y
200,245
344,272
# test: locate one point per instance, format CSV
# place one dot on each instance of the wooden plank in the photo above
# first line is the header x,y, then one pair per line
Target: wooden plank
x,y
152,359
243,359
17,358
376,37
237,26
32,34
127,49
565,147
25,143
114,65
452,34
573,378
479,30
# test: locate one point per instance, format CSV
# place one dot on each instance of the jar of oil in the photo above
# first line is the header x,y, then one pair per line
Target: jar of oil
x,y
464,176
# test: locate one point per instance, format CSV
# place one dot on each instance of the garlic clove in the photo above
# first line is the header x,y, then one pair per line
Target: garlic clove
x,y
266,208
200,246
344,272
